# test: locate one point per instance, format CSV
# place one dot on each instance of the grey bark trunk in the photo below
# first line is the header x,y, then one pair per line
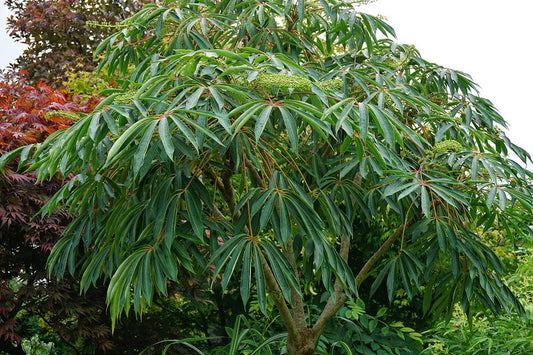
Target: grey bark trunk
x,y
303,344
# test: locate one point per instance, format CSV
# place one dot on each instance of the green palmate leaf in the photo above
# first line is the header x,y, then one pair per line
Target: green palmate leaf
x,y
166,139
235,258
290,126
222,255
130,134
93,126
246,277
391,279
379,279
119,287
93,270
191,137
267,210
5,158
193,99
383,123
246,115
142,149
262,121
202,129
282,224
194,211
281,268
216,95
363,119
491,196
425,202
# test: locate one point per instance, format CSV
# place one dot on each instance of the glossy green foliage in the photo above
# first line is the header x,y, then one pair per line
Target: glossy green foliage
x,y
257,136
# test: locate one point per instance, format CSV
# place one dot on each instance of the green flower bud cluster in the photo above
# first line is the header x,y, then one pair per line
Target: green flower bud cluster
x,y
282,81
390,62
446,146
330,84
125,98
313,5
74,116
407,55
286,82
403,61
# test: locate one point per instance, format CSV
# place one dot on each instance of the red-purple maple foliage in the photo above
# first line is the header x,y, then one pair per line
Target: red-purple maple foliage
x,y
26,240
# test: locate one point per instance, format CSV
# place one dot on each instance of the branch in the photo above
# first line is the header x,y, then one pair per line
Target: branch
x,y
335,301
228,192
298,310
225,191
379,253
333,307
279,301
59,333
307,93
255,173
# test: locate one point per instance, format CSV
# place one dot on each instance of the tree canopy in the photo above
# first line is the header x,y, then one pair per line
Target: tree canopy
x,y
262,138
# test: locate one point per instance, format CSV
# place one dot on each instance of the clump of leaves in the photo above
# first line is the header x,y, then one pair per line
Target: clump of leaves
x,y
358,332
86,83
505,334
24,108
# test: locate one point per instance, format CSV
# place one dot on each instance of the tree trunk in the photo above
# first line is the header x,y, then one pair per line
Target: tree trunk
x,y
303,344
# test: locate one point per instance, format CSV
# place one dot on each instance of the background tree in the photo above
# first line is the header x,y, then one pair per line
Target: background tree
x,y
58,34
283,130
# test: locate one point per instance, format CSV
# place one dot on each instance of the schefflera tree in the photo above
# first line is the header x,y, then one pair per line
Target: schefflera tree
x,y
261,138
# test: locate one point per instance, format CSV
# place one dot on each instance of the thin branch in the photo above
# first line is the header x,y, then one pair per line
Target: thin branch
x,y
335,301
59,334
255,174
381,251
228,192
332,307
307,93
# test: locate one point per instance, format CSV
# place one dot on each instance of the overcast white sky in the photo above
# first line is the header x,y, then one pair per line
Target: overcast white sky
x,y
9,50
489,39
